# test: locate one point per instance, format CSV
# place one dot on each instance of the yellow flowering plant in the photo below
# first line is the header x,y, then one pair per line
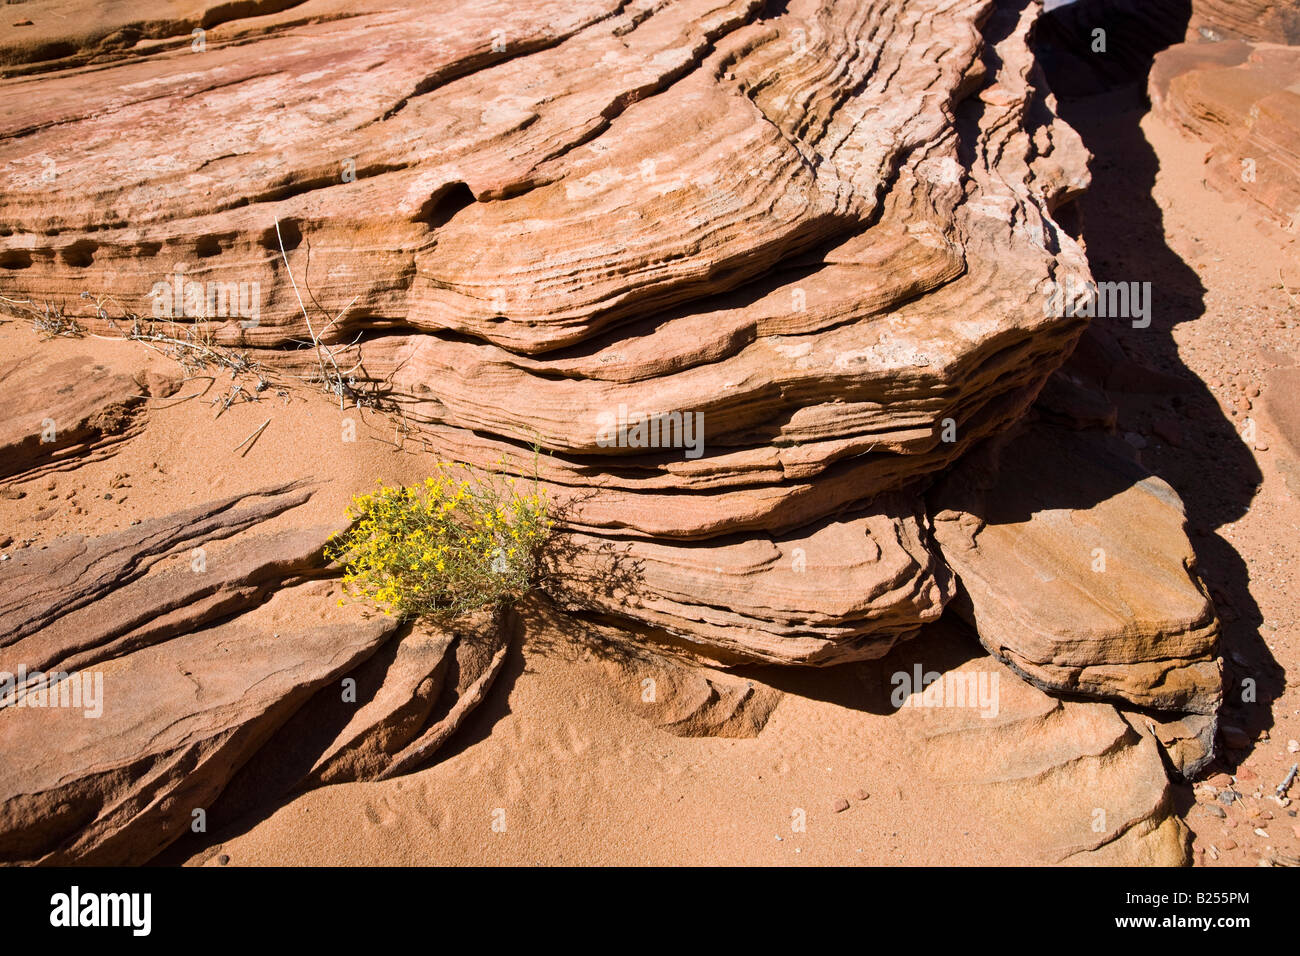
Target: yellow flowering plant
x,y
462,540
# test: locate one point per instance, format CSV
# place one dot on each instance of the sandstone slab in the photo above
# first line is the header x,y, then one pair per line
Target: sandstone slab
x,y
1240,100
178,719
62,411
1070,780
1076,570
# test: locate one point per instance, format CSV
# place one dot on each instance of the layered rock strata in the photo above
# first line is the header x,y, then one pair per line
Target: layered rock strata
x,y
1076,570
738,280
740,271
1241,100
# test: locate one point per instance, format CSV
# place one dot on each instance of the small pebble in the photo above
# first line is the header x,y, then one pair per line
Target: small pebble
x,y
839,806
861,795
223,859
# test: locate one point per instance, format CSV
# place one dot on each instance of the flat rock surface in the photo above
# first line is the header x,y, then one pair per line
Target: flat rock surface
x,y
66,409
1072,780
46,588
1077,571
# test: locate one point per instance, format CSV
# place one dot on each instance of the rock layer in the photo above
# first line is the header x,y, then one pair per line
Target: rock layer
x,y
1273,21
1072,780
844,590
64,412
178,719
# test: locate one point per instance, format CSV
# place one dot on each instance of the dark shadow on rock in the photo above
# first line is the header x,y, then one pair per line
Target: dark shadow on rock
x,y
495,705
876,686
1103,96
280,771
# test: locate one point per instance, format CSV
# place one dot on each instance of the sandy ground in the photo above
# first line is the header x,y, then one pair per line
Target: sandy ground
x,y
188,452
1226,320
556,770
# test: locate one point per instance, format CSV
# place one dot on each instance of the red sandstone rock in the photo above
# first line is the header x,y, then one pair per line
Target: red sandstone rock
x,y
821,236
1074,781
62,412
178,718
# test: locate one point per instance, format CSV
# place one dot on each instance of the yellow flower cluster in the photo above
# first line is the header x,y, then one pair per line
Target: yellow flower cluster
x,y
463,539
